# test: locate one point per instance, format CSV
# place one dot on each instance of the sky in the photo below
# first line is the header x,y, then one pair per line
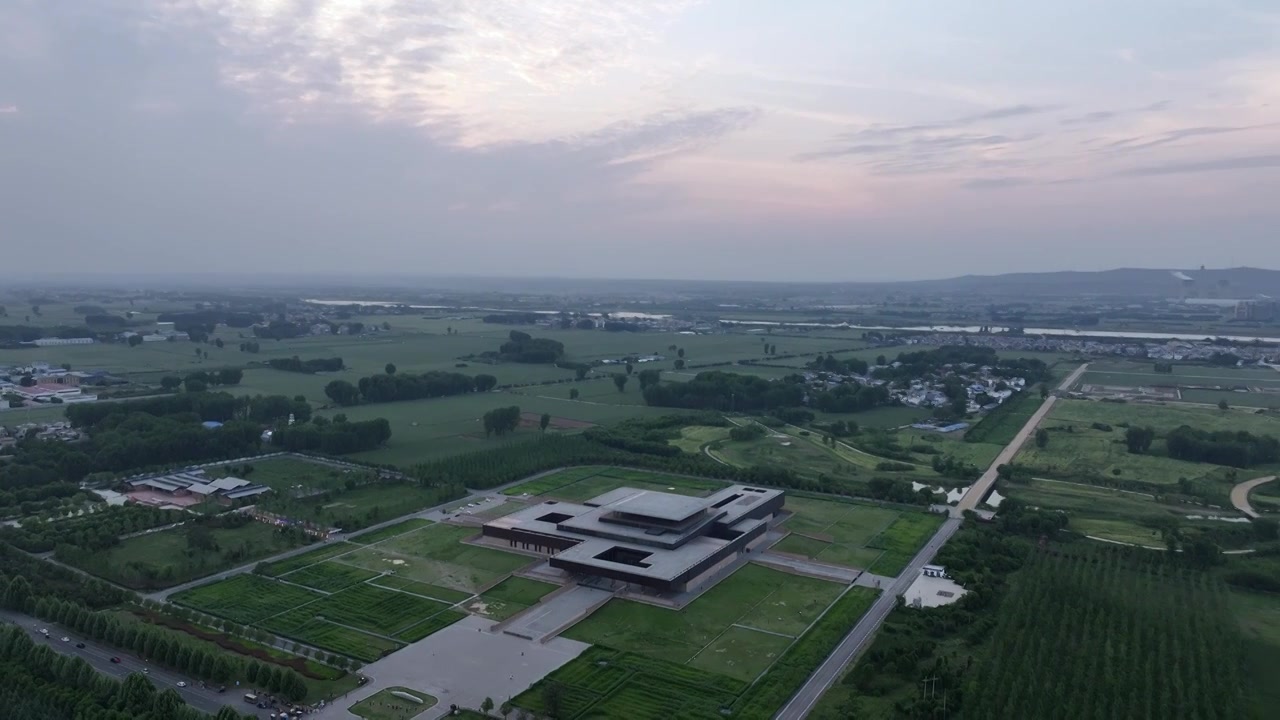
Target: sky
x,y
715,139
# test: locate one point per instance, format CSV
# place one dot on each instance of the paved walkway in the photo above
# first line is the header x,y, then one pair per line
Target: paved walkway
x,y
1240,495
806,566
461,665
553,615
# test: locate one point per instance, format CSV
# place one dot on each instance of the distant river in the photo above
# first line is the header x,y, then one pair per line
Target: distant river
x,y
1057,332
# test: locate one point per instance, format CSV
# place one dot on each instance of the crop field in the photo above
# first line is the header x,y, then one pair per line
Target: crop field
x,y
1001,425
436,555
509,597
160,559
1259,618
835,532
584,483
767,607
372,609
245,599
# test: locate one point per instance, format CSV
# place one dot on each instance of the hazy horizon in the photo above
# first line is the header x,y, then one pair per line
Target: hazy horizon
x,y
673,139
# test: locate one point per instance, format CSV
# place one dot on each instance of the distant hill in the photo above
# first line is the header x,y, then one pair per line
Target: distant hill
x,y
1124,282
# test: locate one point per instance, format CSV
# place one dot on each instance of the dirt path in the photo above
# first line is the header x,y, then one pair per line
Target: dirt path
x,y
1240,495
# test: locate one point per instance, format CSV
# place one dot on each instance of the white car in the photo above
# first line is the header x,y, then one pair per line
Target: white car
x,y
182,683
66,639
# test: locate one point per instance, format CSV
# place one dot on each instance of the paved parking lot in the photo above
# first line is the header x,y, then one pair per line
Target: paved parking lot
x,y
462,665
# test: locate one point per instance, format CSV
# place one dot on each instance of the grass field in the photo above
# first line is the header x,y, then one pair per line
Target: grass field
x,y
329,576
1087,453
288,475
901,540
384,705
390,531
1259,618
436,555
364,505
765,608
604,682
509,597
835,532
302,560
245,599
163,555
694,437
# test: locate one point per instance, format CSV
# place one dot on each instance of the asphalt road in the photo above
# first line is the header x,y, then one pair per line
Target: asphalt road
x,y
831,668
99,657
979,489
1240,494
827,673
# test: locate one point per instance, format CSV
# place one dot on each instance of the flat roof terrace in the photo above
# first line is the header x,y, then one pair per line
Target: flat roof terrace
x,y
668,507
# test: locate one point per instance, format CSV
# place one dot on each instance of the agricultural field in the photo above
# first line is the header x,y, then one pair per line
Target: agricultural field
x,y
584,483
765,609
1258,615
161,559
1055,602
384,705
509,597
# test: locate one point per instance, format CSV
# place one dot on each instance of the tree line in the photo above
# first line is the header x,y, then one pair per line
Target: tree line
x,y
522,347
41,684
1238,448
339,437
152,643
391,387
309,366
98,530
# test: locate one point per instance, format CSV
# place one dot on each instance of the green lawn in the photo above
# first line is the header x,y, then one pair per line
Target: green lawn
x,y
435,592
855,535
161,559
1124,531
245,599
390,531
301,560
902,540
436,555
329,576
385,705
360,507
755,597
509,597
288,474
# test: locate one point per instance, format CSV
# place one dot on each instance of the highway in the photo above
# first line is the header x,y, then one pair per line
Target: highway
x,y
830,670
99,657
